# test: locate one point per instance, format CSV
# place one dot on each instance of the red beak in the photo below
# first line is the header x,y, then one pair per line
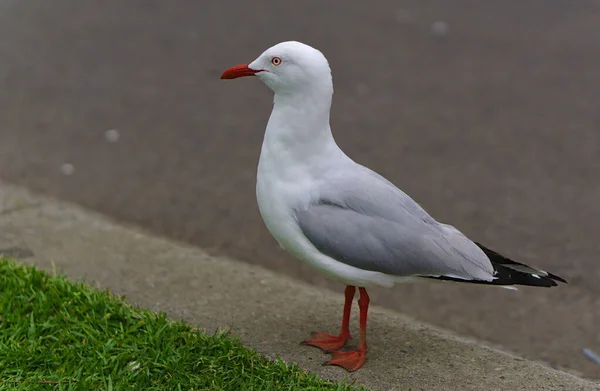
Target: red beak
x,y
238,71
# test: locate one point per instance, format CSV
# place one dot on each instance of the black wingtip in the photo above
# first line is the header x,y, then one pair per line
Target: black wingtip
x,y
508,274
557,278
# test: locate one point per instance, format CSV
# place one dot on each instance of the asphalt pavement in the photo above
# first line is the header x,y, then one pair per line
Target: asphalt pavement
x,y
485,112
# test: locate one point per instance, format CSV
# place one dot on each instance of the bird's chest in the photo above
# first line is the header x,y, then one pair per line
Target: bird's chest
x,y
280,191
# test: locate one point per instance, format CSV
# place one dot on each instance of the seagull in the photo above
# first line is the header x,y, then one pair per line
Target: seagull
x,y
342,218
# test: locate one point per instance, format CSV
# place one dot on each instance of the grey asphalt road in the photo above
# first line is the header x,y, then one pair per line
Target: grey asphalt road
x,y
486,112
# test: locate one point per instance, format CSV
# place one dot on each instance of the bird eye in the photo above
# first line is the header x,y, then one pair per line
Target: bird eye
x,y
276,61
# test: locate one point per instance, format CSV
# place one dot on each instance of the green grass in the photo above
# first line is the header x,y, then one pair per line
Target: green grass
x,y
60,335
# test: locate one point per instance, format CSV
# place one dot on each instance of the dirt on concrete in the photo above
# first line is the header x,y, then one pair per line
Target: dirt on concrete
x,y
486,112
270,312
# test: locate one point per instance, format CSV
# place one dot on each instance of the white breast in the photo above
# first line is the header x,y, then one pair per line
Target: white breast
x,y
280,190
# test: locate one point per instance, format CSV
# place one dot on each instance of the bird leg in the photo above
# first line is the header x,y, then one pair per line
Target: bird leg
x,y
328,342
354,359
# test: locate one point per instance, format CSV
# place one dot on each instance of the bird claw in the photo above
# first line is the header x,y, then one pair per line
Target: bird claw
x,y
349,360
327,342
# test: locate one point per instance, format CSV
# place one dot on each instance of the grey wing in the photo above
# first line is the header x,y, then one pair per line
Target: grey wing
x,y
368,223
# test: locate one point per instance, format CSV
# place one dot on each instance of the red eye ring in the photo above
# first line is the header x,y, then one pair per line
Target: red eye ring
x,y
276,61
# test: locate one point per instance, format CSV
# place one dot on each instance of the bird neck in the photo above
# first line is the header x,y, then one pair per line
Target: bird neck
x,y
299,124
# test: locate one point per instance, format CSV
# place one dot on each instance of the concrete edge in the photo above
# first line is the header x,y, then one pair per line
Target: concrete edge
x,y
270,312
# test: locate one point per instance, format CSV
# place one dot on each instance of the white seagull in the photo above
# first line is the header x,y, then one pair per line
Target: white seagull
x,y
342,218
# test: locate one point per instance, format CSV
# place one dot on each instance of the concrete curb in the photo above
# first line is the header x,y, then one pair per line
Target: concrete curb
x,y
270,312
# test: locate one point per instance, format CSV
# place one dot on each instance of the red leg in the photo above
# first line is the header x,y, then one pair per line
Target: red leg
x,y
328,342
354,359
